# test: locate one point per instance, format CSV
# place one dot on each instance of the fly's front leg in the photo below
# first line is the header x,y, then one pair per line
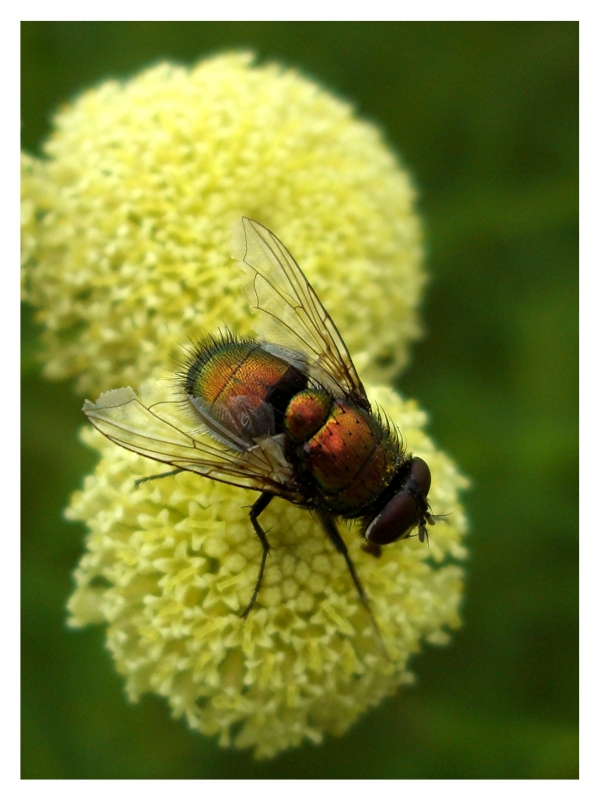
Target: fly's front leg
x,y
328,523
256,510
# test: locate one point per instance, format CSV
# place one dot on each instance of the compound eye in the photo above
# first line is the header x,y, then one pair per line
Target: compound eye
x,y
419,471
395,521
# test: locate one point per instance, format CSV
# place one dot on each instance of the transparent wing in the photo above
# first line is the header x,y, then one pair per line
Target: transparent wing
x,y
277,287
155,431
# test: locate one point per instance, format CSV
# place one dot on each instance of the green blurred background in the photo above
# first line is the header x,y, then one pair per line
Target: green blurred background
x,y
485,116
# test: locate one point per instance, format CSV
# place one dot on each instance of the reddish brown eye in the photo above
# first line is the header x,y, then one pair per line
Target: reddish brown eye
x,y
421,474
396,519
405,510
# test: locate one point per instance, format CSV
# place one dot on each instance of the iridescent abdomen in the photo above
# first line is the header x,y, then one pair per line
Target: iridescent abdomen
x,y
243,386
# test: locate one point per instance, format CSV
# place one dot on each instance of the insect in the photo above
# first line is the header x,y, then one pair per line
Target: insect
x,y
287,416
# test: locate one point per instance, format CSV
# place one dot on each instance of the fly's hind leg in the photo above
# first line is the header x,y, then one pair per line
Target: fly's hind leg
x,y
256,510
155,477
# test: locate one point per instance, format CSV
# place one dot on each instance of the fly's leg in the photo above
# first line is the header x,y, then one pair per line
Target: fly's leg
x,y
161,475
335,537
328,523
256,510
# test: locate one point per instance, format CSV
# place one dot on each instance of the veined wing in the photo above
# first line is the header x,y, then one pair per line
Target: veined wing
x,y
155,432
278,287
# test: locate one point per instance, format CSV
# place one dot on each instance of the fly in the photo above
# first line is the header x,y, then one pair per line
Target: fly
x,y
285,415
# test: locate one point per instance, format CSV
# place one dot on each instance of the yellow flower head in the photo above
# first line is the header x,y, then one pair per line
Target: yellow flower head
x,y
126,242
170,566
127,219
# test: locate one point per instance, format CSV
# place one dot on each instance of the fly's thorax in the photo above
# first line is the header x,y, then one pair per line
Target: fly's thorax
x,y
306,414
352,457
